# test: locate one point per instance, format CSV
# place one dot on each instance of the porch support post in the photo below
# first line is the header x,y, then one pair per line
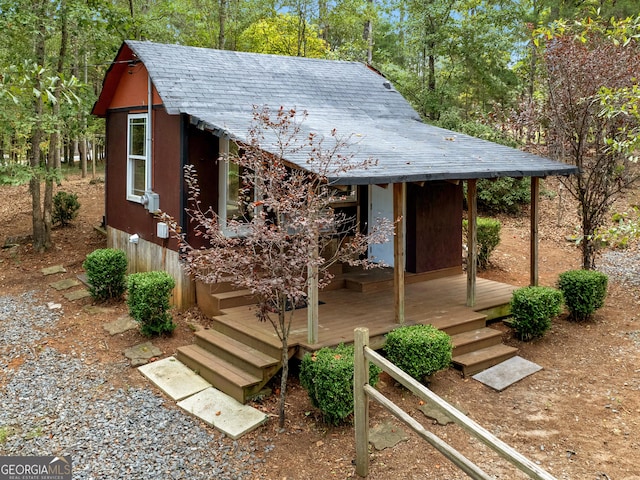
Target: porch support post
x,y
472,249
399,261
535,214
312,291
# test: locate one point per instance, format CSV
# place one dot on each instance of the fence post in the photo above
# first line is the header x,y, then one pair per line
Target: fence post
x,y
361,401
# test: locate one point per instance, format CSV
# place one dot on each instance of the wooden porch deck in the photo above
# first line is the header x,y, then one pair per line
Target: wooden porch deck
x,y
439,302
239,354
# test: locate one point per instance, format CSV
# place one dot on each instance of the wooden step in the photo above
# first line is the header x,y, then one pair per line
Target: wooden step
x,y
234,298
453,322
223,375
479,360
476,339
256,336
237,353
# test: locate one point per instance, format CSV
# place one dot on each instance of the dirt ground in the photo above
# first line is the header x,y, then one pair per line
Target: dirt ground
x,y
578,418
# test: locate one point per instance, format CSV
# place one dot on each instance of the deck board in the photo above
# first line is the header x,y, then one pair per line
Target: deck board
x,y
343,310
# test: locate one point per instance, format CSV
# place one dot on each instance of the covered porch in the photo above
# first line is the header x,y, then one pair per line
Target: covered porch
x,y
367,300
239,354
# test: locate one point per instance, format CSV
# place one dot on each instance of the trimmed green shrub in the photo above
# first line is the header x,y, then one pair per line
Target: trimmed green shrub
x,y
106,272
584,292
487,236
501,195
532,309
419,350
65,208
327,376
148,301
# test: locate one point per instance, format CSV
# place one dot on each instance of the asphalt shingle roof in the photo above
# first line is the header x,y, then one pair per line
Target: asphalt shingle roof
x,y
218,90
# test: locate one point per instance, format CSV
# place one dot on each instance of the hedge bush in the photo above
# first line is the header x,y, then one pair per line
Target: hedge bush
x,y
584,292
327,376
487,237
419,350
532,309
106,273
65,208
148,301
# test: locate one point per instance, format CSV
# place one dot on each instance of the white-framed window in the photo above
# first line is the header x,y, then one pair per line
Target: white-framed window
x,y
137,156
236,198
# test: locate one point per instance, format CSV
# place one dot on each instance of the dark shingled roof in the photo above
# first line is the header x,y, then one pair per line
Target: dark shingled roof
x,y
219,88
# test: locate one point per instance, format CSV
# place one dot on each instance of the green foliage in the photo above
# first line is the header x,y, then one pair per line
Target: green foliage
x,y
503,195
283,35
327,376
65,208
14,174
106,272
419,350
148,301
487,236
532,309
584,292
625,229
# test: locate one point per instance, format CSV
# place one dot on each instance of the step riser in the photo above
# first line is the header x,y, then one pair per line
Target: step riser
x,y
218,381
229,357
232,302
463,327
479,367
477,345
241,336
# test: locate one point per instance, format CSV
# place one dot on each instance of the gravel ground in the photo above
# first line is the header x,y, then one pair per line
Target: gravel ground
x,y
622,265
56,404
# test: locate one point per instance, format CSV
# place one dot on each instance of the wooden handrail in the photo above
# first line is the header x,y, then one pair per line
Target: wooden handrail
x,y
363,391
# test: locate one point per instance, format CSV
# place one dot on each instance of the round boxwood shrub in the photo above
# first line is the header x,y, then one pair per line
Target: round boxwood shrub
x,y
487,237
148,301
532,309
106,273
584,292
65,208
419,350
327,376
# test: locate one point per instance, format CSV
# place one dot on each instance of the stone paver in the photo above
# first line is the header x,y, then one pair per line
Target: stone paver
x,y
142,353
174,378
77,295
121,325
96,310
223,412
434,413
386,435
65,284
507,373
53,270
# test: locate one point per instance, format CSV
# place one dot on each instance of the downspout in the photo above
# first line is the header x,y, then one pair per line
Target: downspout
x,y
149,130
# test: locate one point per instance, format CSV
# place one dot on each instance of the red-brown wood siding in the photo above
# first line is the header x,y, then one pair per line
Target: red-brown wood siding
x,y
434,226
131,217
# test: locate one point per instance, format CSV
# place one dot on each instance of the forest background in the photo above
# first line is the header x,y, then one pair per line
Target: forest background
x,y
474,66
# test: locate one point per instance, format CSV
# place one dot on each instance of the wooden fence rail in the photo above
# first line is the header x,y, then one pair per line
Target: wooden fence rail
x,y
363,391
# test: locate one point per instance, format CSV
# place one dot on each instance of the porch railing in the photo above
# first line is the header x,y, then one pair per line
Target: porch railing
x,y
363,391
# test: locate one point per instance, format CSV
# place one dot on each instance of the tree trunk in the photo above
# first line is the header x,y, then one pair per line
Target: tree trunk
x,y
222,20
41,223
588,242
285,367
54,140
82,147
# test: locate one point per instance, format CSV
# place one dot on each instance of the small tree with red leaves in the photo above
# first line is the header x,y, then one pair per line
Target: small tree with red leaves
x,y
272,250
584,61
